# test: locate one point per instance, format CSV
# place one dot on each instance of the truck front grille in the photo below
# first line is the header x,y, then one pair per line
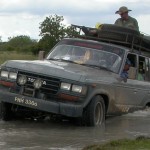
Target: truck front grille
x,y
50,85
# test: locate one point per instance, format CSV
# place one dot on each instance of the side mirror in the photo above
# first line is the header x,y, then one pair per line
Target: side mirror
x,y
41,55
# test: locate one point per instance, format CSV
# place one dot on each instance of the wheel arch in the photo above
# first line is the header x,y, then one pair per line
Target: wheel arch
x,y
104,96
98,103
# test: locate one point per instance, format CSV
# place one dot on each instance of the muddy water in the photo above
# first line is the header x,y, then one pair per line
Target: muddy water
x,y
56,135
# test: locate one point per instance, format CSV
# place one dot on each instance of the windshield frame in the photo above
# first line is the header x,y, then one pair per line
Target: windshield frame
x,y
98,47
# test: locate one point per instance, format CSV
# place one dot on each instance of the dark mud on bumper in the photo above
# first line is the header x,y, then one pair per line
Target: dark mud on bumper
x,y
70,110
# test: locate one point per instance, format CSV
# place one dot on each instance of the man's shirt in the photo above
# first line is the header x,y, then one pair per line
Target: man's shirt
x,y
129,23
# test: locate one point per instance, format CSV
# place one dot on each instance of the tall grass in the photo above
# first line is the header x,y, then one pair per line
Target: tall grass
x,y
140,143
4,56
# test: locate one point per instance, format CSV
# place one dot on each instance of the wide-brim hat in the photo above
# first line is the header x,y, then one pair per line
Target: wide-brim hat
x,y
122,10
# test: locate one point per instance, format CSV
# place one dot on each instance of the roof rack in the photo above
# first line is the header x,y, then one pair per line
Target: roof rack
x,y
114,34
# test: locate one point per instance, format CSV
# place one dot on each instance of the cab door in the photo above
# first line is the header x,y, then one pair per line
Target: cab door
x,y
134,92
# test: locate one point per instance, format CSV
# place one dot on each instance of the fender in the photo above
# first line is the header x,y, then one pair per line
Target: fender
x,y
97,92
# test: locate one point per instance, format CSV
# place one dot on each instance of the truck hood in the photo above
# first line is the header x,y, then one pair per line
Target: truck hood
x,y
61,69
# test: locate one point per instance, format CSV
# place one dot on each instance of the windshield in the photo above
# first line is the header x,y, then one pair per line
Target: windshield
x,y
108,58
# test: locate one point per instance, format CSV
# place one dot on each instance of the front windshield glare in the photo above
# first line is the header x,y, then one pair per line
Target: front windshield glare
x,y
87,56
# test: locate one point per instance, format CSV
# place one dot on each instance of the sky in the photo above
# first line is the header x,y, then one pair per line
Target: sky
x,y
23,17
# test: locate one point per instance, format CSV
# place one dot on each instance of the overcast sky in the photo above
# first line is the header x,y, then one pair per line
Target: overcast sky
x,y
23,17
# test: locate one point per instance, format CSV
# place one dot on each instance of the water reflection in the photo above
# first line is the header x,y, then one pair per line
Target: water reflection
x,y
48,135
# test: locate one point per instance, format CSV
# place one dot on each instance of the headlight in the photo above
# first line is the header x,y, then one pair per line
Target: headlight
x,y
4,74
13,75
76,88
22,80
79,89
37,83
8,74
65,86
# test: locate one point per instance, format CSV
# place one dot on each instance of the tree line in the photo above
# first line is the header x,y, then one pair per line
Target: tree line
x,y
52,30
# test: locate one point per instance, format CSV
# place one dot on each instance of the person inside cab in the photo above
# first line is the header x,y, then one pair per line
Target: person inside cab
x,y
124,73
87,57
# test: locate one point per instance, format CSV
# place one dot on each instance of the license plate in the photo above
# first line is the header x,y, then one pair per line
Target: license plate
x,y
22,100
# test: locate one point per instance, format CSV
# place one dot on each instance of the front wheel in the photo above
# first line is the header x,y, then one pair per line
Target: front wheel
x,y
94,113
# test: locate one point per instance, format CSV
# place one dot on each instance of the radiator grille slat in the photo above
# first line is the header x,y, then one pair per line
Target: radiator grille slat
x,y
50,85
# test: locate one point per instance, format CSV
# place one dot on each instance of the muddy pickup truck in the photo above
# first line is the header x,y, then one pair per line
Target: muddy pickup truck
x,y
81,78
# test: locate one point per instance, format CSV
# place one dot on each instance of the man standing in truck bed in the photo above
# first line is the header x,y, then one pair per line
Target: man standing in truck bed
x,y
126,20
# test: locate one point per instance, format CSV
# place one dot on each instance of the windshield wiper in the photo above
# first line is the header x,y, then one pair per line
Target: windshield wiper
x,y
65,60
96,66
90,65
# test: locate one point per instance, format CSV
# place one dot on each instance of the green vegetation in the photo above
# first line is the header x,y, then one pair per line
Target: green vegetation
x,y
140,143
16,56
19,43
52,30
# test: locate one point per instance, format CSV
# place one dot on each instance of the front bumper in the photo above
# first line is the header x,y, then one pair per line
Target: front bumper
x,y
66,109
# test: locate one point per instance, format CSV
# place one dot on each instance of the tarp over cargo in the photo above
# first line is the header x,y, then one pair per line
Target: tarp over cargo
x,y
118,35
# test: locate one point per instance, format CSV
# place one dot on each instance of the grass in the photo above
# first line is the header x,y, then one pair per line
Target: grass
x,y
140,143
4,56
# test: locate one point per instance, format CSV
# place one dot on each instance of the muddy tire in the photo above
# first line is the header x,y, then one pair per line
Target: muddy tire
x,y
5,111
94,114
